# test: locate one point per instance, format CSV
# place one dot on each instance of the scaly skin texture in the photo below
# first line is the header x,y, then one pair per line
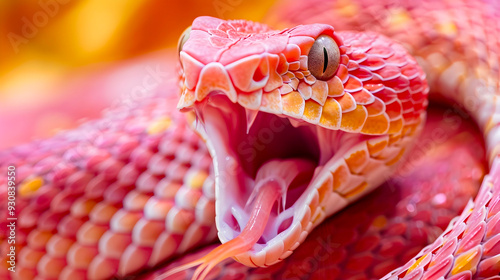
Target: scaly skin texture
x,y
391,225
365,117
38,186
115,196
456,42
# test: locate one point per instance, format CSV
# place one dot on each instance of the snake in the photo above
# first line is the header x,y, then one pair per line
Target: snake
x,y
264,135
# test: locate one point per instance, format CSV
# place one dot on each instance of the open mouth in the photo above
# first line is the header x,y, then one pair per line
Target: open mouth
x,y
248,146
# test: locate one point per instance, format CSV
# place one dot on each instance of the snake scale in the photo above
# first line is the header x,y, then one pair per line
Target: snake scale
x,y
298,121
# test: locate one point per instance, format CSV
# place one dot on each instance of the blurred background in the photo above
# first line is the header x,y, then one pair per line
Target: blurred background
x,y
62,61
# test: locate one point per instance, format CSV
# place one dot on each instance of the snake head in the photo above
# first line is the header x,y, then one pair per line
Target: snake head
x,y
324,114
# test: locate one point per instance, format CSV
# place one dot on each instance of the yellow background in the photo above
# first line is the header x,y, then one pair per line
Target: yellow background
x,y
45,42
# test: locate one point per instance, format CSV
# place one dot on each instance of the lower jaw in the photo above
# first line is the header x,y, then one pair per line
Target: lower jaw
x,y
235,181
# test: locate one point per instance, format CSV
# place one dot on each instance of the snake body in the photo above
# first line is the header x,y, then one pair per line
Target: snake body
x,y
136,188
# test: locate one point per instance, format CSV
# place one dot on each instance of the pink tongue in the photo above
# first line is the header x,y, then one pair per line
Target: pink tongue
x,y
282,172
271,182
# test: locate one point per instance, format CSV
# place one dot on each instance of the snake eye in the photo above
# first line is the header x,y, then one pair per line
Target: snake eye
x,y
324,58
183,39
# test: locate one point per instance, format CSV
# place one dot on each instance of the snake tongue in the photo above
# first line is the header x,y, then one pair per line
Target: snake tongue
x,y
272,182
249,146
282,171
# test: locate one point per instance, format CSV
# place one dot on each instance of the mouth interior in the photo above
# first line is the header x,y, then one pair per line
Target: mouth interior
x,y
241,143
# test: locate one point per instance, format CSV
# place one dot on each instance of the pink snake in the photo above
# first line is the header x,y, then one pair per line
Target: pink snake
x,y
135,188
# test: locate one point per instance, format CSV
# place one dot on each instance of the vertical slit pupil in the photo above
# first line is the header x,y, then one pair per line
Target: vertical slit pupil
x,y
325,60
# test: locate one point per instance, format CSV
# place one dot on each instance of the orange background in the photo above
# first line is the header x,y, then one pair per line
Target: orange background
x,y
47,44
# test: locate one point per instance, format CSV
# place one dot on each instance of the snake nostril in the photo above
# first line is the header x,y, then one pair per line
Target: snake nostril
x,y
261,72
258,75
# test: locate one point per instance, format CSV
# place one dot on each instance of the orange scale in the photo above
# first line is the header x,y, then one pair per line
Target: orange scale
x,y
373,62
354,120
73,274
310,79
37,239
347,102
114,244
293,104
299,75
167,189
165,246
375,108
82,207
335,87
331,113
353,84
102,213
134,259
102,267
294,66
467,261
179,220
312,111
24,273
124,221
271,101
395,126
59,246
342,73
147,232
320,90
135,201
363,97
29,257
50,267
90,234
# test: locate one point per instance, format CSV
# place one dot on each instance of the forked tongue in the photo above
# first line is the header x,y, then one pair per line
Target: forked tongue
x,y
271,184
